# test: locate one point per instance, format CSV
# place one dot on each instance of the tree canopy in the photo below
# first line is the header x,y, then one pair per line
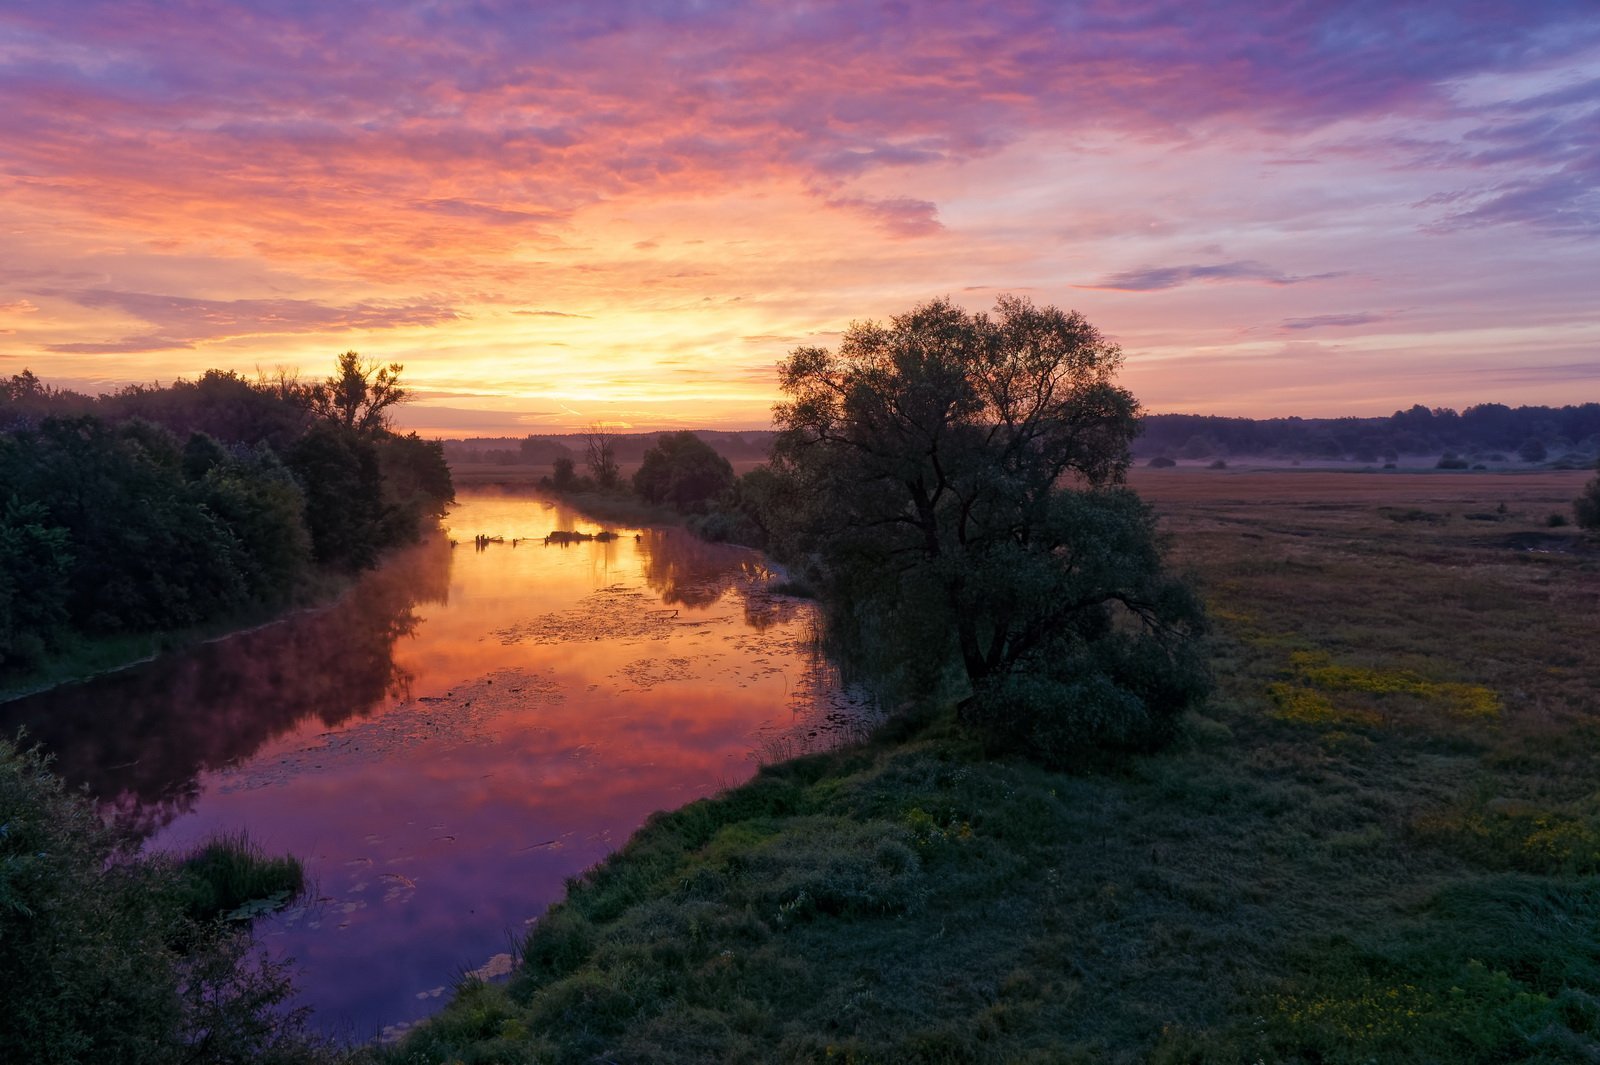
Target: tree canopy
x,y
359,394
684,471
953,481
165,508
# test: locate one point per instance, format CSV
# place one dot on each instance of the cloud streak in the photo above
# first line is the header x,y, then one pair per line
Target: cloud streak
x,y
1158,278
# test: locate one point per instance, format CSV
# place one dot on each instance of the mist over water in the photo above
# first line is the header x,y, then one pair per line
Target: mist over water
x,y
451,740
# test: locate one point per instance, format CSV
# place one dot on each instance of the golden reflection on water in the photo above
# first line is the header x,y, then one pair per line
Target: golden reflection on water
x,y
469,728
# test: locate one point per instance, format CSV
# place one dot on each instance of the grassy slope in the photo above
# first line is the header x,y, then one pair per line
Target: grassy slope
x,y
1380,842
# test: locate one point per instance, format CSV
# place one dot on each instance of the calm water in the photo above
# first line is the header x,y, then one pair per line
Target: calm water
x,y
452,740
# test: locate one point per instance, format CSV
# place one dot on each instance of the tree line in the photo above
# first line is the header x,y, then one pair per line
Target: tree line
x,y
160,508
1530,433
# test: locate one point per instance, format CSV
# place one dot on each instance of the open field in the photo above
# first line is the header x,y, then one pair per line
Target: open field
x,y
1380,842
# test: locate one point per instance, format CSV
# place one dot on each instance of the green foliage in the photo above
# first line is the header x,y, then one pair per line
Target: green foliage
x,y
224,877
338,470
924,474
416,484
35,567
747,512
683,471
172,508
147,554
258,499
103,957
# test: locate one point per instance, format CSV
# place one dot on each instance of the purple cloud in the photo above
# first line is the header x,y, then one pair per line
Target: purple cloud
x,y
900,216
1323,321
1156,278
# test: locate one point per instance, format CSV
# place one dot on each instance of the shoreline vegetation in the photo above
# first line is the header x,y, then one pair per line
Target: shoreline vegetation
x,y
133,523
1377,842
112,956
155,518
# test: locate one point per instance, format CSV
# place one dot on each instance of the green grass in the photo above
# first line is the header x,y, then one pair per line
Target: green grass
x,y
230,878
1380,842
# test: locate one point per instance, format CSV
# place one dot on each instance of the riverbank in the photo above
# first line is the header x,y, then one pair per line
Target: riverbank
x,y
91,657
1379,842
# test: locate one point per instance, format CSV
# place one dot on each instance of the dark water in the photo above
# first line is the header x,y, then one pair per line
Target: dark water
x,y
448,743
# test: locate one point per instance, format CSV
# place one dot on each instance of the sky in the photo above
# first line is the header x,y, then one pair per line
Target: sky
x,y
555,214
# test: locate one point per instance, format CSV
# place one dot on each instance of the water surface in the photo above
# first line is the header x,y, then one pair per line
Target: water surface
x,y
450,741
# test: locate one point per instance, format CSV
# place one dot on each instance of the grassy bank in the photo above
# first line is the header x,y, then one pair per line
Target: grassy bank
x,y
1380,842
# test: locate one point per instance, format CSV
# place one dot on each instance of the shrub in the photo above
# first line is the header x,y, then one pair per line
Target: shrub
x,y
1161,462
1451,461
1586,508
684,471
109,958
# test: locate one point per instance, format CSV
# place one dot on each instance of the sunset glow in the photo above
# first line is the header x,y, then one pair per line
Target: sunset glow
x,y
556,214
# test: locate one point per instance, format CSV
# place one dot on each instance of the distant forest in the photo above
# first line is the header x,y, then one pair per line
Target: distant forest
x,y
154,509
1490,431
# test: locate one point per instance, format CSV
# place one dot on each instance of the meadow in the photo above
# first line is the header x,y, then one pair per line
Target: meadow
x,y
1378,842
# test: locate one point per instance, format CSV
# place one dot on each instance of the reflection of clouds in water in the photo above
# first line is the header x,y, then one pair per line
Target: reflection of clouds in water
x,y
455,719
431,824
611,614
140,738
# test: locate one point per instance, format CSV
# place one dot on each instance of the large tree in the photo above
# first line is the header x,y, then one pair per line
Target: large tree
x,y
954,483
600,443
359,394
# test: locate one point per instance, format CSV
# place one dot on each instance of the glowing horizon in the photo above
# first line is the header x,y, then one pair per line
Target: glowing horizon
x,y
562,216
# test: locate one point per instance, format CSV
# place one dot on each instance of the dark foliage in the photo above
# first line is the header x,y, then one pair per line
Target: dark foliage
x,y
1420,430
159,509
110,959
1586,508
684,472
923,471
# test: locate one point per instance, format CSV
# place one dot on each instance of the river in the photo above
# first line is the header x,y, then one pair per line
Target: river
x,y
450,741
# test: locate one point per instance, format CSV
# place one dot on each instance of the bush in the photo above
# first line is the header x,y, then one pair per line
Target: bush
x,y
1451,461
1586,508
1161,462
107,958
